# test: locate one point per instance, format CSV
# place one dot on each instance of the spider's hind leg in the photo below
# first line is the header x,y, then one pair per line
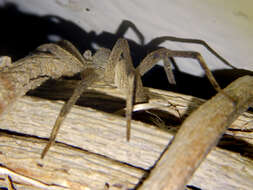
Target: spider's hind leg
x,y
163,54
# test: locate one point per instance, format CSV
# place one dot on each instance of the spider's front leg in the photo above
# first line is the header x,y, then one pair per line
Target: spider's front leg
x,y
89,75
121,71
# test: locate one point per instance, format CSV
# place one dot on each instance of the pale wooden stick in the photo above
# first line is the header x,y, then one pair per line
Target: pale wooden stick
x,y
198,135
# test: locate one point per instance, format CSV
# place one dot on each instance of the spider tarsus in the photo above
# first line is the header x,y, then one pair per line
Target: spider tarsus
x,y
43,154
128,129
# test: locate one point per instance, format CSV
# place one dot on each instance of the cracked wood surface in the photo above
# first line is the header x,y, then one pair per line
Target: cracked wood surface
x,y
92,151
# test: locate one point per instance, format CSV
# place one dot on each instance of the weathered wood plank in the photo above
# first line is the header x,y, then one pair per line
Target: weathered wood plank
x,y
95,149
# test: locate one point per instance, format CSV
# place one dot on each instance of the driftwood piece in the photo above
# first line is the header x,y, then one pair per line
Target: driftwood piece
x,y
92,153
198,134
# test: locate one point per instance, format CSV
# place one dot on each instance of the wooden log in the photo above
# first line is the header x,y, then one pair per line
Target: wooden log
x,y
91,151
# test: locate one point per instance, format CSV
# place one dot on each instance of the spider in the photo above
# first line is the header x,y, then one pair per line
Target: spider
x,y
115,67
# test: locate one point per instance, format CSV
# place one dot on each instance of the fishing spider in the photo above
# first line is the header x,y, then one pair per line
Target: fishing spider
x,y
116,67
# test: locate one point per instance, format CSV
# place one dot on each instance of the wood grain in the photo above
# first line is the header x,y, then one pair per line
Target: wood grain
x,y
91,149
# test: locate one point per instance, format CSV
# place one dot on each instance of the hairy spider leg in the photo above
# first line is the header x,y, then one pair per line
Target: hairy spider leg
x,y
90,77
162,54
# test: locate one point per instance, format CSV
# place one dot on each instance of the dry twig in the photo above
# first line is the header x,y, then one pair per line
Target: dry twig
x,y
199,133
